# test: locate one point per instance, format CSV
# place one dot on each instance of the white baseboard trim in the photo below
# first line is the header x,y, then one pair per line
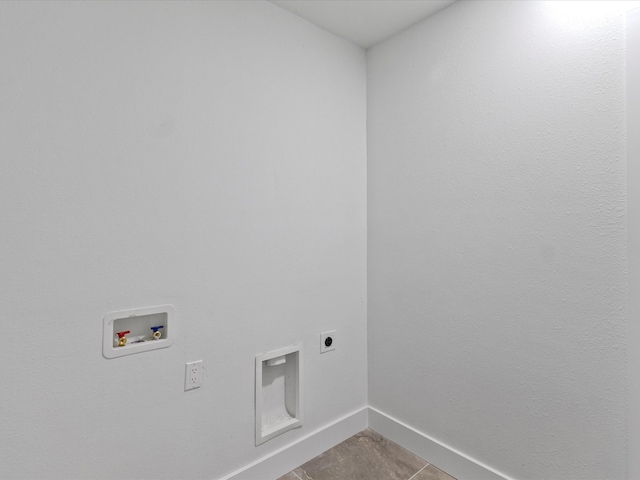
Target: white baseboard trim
x,y
287,458
446,458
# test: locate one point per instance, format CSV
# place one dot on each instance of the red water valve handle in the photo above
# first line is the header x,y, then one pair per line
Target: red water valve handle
x,y
122,334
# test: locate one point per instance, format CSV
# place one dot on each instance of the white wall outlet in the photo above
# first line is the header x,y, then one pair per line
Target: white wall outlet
x,y
327,341
193,375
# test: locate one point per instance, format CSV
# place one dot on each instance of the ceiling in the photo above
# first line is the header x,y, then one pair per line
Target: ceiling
x,y
364,22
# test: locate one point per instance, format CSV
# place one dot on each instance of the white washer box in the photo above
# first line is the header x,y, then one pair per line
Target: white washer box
x,y
278,392
140,323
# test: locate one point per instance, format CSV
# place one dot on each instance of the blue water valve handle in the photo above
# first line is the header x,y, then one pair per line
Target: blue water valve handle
x,y
156,332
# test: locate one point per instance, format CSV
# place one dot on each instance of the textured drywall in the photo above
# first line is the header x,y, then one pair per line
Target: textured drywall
x,y
210,155
633,247
497,235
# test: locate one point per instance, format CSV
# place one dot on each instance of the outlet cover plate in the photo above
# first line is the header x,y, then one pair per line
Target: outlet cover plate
x,y
327,341
193,375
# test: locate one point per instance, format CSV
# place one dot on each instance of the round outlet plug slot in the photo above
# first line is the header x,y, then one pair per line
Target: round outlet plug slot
x,y
327,341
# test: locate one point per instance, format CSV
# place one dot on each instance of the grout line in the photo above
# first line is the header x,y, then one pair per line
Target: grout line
x,y
294,472
413,476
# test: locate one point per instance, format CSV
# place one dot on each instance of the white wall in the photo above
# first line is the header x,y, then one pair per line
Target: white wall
x,y
211,155
633,247
497,235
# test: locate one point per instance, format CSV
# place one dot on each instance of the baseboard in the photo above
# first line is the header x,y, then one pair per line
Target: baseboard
x,y
284,460
455,463
446,458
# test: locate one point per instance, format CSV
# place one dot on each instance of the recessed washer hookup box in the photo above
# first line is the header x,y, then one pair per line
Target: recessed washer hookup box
x,y
139,330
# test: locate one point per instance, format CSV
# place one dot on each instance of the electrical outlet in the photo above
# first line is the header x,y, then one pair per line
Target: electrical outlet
x,y
193,375
327,341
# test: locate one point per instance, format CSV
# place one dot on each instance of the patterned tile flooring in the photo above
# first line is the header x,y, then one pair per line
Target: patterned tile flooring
x,y
367,456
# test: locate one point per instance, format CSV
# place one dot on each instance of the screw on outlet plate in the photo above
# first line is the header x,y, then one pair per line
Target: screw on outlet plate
x,y
327,341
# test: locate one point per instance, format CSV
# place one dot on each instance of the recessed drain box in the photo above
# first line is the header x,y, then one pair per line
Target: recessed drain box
x,y
278,392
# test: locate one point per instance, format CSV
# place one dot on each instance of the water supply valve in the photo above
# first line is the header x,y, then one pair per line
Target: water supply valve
x,y
122,340
156,332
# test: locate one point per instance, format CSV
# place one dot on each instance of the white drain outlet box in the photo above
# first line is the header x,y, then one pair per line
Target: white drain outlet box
x,y
278,392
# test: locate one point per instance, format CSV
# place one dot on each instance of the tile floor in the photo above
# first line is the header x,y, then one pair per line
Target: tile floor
x,y
367,456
